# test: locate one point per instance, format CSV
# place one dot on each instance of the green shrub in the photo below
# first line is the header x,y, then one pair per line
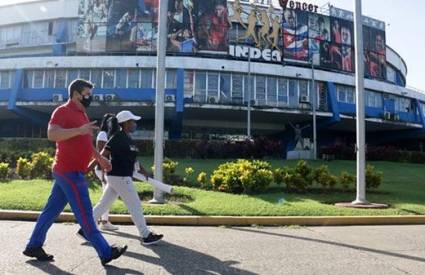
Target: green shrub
x,y
41,165
279,175
24,168
373,178
203,181
242,176
346,180
298,178
4,171
324,178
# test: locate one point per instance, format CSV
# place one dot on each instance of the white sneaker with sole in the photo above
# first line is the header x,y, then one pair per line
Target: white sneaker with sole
x,y
108,226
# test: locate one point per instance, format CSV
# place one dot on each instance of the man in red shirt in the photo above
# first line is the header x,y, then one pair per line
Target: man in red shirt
x,y
72,131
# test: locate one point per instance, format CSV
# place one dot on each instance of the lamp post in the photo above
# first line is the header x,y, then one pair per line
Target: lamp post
x,y
158,196
360,108
314,111
248,122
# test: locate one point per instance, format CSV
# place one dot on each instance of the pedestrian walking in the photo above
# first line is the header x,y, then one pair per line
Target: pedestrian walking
x,y
72,131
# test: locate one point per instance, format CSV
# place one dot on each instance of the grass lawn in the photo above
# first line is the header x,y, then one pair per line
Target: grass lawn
x,y
403,189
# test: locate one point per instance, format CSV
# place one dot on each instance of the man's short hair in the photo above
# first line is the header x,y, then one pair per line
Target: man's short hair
x,y
78,85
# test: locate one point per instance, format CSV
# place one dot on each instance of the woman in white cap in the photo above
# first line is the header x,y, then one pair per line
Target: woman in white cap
x,y
122,151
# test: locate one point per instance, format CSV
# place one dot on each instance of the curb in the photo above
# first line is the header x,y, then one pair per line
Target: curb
x,y
235,220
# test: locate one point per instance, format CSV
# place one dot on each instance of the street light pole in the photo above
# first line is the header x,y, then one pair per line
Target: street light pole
x,y
314,111
158,196
248,126
360,108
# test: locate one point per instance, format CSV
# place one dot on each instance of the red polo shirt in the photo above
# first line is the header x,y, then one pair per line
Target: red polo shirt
x,y
74,154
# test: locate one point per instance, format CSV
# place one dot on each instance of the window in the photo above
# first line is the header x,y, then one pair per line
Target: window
x,y
342,96
60,79
121,78
96,78
271,91
212,87
133,78
28,79
200,86
72,75
293,93
5,80
303,89
403,104
108,78
38,79
248,87
85,74
188,83
171,81
260,90
282,92
225,88
147,76
237,88
374,99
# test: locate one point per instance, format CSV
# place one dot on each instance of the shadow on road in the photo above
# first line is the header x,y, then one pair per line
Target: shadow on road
x,y
47,267
362,248
177,259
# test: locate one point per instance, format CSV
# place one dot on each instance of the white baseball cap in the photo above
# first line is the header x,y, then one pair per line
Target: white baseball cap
x,y
124,116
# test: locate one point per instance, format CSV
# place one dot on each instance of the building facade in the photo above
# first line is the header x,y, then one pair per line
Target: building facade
x,y
210,79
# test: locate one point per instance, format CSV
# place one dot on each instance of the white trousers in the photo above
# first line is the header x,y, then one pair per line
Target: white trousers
x,y
123,187
105,216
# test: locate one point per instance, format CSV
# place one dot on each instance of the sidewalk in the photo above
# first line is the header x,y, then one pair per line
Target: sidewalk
x,y
227,250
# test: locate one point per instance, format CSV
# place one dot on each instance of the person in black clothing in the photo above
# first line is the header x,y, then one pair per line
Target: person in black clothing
x,y
122,151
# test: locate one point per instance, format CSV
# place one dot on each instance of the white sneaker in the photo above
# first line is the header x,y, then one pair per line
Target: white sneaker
x,y
108,226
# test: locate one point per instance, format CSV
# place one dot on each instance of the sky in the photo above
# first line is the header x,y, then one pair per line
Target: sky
x,y
404,31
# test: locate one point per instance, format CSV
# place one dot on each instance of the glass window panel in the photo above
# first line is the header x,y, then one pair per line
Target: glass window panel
x,y
60,79
303,88
108,78
171,79
237,88
96,78
212,87
38,79
260,90
133,78
72,75
282,95
85,74
147,76
188,83
200,86
5,80
271,91
121,78
293,93
28,79
248,86
225,88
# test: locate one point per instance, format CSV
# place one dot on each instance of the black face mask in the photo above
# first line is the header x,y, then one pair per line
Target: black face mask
x,y
86,101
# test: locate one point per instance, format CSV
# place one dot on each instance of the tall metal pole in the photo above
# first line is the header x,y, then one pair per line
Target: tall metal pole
x,y
360,107
248,126
314,111
158,196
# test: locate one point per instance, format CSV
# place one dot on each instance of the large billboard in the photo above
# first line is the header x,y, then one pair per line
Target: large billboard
x,y
214,27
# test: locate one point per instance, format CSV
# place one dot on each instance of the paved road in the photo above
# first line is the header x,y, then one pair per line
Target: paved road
x,y
224,250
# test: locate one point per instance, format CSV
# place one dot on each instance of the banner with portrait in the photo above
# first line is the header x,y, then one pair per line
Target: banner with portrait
x,y
295,35
92,25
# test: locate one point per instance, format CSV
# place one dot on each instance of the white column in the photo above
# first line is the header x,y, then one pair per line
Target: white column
x,y
159,100
360,107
